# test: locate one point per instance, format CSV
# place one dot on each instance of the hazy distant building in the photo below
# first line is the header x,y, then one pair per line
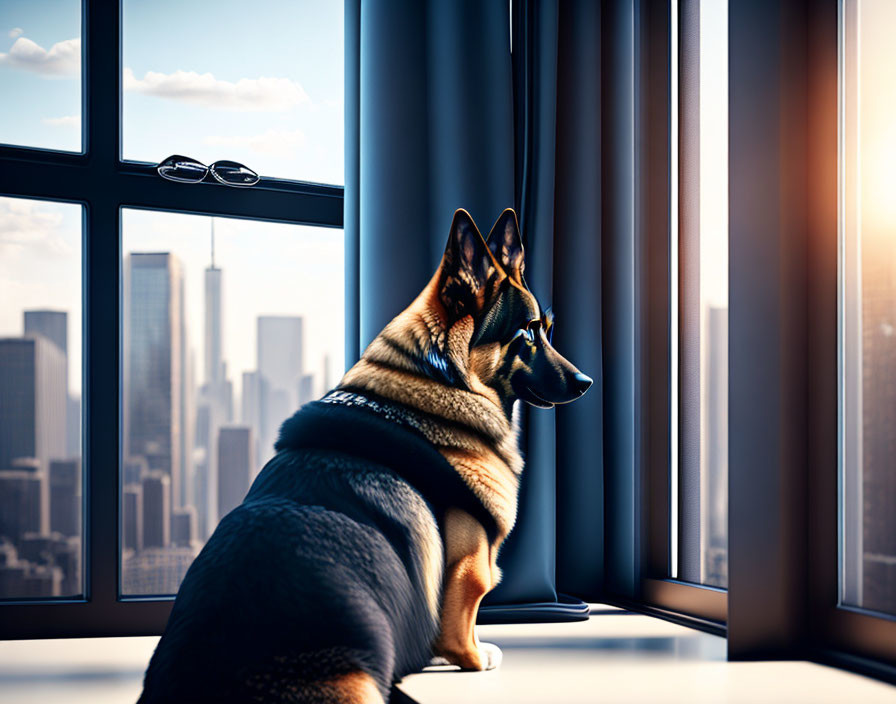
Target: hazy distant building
x,y
59,553
133,469
132,523
65,497
235,467
156,510
32,400
253,412
20,579
183,526
154,375
23,504
306,389
715,472
155,571
878,419
53,325
281,364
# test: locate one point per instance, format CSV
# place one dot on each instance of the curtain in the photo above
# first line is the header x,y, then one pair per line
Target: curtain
x,y
441,114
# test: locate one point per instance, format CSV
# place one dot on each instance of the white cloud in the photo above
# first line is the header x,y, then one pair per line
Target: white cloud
x,y
64,121
247,94
25,225
268,142
63,58
16,32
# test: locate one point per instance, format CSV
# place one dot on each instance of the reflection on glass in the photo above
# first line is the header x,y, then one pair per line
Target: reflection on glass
x,y
40,399
264,88
228,327
700,486
40,74
868,305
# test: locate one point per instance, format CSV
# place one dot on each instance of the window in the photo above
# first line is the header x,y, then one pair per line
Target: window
x,y
139,231
260,87
700,352
40,74
228,327
868,307
40,399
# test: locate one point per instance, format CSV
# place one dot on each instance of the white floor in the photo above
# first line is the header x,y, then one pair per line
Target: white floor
x,y
614,657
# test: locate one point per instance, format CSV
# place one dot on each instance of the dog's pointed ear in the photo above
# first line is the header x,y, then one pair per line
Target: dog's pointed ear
x,y
468,270
506,245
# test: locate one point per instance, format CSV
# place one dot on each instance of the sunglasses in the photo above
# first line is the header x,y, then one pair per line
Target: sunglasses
x,y
187,170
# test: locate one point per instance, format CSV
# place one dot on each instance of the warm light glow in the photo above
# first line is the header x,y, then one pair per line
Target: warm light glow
x,y
877,113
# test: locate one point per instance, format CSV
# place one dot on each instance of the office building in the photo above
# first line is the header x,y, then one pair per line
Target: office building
x,y
154,374
132,523
65,497
23,504
32,400
235,466
156,509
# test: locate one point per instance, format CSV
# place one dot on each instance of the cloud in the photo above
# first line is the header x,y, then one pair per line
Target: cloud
x,y
269,142
247,94
16,32
63,58
26,225
64,121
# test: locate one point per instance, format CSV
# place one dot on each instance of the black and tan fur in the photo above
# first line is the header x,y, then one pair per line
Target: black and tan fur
x,y
382,514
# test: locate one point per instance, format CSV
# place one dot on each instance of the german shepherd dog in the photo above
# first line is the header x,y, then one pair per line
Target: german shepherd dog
x,y
366,544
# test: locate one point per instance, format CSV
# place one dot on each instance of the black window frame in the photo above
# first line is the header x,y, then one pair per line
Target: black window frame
x,y
104,184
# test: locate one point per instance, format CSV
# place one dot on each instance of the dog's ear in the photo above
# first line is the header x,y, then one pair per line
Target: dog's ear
x,y
468,270
506,245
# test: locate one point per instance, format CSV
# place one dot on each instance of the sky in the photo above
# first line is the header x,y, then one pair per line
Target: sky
x,y
262,87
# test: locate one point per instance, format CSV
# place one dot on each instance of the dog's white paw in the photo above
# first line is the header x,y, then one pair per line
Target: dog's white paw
x,y
491,655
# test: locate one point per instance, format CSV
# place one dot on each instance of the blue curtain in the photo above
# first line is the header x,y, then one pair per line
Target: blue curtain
x,y
441,114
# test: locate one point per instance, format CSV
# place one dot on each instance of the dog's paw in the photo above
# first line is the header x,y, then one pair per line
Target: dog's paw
x,y
491,655
486,657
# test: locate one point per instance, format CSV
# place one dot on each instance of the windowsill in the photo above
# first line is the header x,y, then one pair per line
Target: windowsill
x,y
615,656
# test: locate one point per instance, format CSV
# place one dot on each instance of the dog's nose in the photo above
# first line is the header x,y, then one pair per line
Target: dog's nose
x,y
582,382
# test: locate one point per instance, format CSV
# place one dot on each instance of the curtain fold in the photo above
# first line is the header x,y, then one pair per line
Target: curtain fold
x,y
443,116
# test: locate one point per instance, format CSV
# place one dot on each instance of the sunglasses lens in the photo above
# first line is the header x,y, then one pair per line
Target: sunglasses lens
x,y
182,168
234,174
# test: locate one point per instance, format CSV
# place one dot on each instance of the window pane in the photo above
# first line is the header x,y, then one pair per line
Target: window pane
x,y
257,85
228,326
701,546
40,399
40,74
868,305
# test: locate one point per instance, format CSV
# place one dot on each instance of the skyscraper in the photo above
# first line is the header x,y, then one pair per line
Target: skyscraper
x,y
132,505
235,466
65,497
156,509
23,508
280,363
154,358
53,325
254,403
32,400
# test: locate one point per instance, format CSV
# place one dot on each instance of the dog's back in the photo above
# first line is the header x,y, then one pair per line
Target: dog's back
x,y
312,590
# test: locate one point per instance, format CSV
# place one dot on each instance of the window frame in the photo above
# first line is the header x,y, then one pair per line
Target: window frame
x,y
700,606
843,635
104,184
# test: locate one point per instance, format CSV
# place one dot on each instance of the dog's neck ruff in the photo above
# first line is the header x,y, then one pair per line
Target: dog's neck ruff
x,y
492,481
353,424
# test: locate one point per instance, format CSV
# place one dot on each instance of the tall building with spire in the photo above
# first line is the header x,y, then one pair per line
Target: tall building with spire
x,y
215,396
